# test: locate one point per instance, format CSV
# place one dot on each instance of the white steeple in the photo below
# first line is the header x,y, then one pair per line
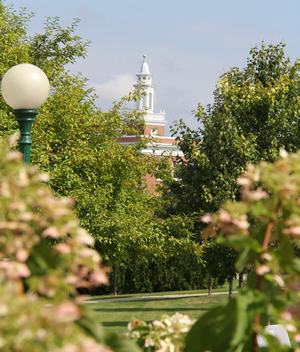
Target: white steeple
x,y
144,82
154,122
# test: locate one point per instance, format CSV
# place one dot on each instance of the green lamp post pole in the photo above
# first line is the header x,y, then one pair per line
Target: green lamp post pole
x,y
25,88
25,119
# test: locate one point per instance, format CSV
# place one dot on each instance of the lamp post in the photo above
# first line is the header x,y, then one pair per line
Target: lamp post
x,y
25,88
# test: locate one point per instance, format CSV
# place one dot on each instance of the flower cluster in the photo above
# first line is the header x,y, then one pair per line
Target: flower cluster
x,y
44,256
164,335
265,227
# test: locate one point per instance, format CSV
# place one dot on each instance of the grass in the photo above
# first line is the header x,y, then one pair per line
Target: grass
x,y
114,316
223,288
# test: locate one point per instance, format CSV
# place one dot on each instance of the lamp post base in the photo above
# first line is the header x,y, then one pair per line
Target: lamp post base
x,y
25,119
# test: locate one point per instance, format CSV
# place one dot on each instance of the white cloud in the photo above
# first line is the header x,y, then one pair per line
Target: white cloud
x,y
115,88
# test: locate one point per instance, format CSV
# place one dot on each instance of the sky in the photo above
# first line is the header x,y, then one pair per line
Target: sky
x,y
188,43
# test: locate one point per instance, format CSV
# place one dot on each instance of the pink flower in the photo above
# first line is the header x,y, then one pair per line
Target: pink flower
x,y
52,232
84,237
224,215
13,156
63,248
67,312
22,255
242,224
98,278
255,195
43,177
59,212
261,270
295,230
287,316
87,252
14,270
243,181
206,218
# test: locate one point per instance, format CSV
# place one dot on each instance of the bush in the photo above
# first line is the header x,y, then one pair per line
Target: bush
x,y
178,273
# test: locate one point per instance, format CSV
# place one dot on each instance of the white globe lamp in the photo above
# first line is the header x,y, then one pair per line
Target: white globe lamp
x,y
25,88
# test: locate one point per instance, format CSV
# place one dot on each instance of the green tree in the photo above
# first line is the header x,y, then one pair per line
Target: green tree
x,y
219,263
254,114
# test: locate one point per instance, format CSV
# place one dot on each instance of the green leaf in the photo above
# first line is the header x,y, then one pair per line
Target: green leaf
x,y
246,256
42,258
236,241
228,327
214,330
286,258
90,324
119,344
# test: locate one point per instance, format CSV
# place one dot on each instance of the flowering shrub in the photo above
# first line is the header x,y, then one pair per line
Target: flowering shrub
x,y
164,335
40,309
264,226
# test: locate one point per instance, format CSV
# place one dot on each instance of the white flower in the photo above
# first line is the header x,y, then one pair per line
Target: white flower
x,y
158,323
149,341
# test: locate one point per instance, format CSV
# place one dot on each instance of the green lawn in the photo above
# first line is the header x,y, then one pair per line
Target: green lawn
x,y
115,316
223,288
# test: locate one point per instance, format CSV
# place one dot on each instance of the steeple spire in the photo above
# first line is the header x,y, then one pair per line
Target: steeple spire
x,y
144,81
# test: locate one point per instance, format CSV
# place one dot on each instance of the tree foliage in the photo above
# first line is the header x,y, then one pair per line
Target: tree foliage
x,y
254,114
77,144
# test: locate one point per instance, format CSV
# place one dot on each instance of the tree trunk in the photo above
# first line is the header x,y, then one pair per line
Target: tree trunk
x,y
230,288
115,280
210,285
241,280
